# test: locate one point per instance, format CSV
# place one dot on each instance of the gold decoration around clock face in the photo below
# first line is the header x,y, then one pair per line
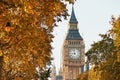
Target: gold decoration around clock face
x,y
74,53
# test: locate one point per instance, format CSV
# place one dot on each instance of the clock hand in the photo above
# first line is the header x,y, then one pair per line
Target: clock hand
x,y
74,53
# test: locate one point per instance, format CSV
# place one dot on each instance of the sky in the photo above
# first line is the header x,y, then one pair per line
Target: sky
x,y
93,19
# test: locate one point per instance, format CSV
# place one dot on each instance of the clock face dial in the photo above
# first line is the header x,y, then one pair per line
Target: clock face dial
x,y
74,53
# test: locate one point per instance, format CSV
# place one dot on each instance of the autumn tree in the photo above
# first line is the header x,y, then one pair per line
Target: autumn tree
x,y
25,44
104,54
101,50
115,32
83,76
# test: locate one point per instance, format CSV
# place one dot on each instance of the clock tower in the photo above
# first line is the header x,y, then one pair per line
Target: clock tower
x,y
73,51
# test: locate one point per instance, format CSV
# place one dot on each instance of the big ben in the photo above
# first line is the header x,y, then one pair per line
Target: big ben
x,y
73,51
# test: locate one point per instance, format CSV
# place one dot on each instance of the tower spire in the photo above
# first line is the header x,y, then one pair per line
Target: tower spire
x,y
73,17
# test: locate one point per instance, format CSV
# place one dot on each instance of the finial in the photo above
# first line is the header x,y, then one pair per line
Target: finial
x,y
72,6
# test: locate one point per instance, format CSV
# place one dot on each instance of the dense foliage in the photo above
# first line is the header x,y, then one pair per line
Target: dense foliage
x,y
105,55
83,76
115,32
25,45
101,50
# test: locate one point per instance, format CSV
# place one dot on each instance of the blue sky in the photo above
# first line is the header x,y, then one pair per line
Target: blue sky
x,y
93,19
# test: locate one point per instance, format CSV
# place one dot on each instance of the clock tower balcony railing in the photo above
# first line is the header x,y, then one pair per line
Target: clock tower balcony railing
x,y
75,63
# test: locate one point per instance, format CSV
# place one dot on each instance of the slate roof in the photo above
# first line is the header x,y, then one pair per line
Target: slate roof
x,y
58,77
73,35
73,17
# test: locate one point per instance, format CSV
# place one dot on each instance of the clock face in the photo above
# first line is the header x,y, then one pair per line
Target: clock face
x,y
74,53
